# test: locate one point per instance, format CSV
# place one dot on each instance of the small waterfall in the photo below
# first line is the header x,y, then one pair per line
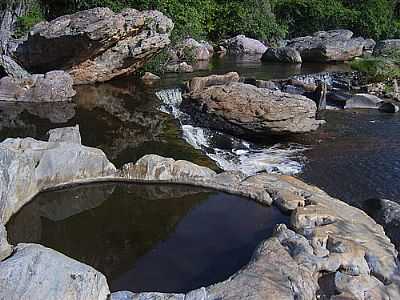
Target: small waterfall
x,y
231,153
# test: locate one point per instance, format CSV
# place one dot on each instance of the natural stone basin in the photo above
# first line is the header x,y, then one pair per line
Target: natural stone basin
x,y
167,238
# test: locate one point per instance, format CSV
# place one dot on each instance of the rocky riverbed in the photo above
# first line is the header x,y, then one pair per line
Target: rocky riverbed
x,y
325,235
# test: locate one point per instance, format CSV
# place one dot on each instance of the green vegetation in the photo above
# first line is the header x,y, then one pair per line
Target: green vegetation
x,y
369,18
262,19
26,22
378,69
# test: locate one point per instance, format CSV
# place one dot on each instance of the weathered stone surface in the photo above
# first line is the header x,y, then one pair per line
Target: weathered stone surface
x,y
11,68
197,84
5,247
244,45
54,86
36,272
386,47
363,101
182,67
28,166
328,46
199,50
369,45
245,110
284,55
96,45
66,134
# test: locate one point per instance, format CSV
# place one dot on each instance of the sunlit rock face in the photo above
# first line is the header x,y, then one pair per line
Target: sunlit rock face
x,y
95,45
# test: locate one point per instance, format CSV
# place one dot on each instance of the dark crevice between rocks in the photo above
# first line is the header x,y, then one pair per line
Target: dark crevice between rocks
x,y
327,287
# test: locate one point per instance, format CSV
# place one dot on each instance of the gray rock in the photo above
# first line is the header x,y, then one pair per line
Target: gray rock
x,y
182,67
328,46
284,55
245,110
363,101
244,45
146,296
199,51
386,47
66,134
369,45
5,248
11,68
54,86
36,272
96,45
28,166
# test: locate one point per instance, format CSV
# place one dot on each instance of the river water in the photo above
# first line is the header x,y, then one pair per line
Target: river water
x,y
355,156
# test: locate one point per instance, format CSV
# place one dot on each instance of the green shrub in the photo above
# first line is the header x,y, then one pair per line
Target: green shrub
x,y
25,23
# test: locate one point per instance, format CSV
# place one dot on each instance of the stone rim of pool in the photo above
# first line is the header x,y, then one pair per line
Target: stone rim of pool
x,y
326,235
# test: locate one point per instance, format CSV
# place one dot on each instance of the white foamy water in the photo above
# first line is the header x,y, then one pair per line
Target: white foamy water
x,y
231,153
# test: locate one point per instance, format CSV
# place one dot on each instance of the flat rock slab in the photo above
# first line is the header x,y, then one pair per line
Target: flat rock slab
x,y
36,272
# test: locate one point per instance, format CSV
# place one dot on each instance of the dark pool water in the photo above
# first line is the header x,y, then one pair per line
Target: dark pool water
x,y
356,156
148,238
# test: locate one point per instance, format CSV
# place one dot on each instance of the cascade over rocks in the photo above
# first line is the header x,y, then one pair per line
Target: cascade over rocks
x,y
95,45
245,110
327,236
328,46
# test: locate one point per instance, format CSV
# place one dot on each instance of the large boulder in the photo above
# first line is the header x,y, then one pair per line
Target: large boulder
x,y
95,45
28,166
285,55
36,272
243,45
363,101
328,46
387,47
5,248
54,86
200,83
245,110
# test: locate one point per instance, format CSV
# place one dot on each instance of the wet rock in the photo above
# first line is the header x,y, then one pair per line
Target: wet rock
x,y
245,110
29,166
200,83
267,84
54,86
5,248
36,272
328,46
284,55
389,107
386,47
182,67
363,101
244,45
95,45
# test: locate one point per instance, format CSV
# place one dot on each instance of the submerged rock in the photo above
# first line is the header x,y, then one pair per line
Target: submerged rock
x,y
95,45
36,272
285,55
328,46
245,110
244,45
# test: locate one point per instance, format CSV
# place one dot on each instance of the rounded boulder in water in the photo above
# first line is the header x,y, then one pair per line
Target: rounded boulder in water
x,y
363,101
389,107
